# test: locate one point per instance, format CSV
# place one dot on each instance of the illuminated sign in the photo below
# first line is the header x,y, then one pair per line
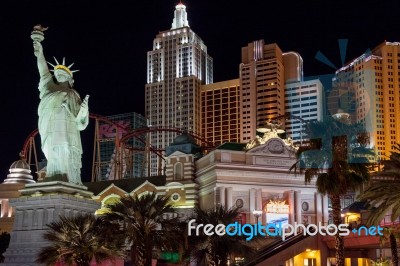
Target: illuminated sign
x,y
110,130
276,206
277,212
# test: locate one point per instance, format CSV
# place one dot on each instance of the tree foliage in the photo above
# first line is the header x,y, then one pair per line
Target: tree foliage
x,y
215,249
383,197
336,157
147,223
80,239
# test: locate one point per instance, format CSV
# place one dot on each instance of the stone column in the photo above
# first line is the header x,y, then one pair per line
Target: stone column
x,y
18,218
259,206
221,199
297,200
4,208
10,211
318,208
325,210
252,204
290,198
258,199
228,197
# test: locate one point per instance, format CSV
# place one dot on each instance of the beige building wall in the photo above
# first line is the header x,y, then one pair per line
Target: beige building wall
x,y
220,112
293,67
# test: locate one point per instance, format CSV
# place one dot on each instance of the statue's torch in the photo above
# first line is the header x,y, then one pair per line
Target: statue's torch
x,y
37,35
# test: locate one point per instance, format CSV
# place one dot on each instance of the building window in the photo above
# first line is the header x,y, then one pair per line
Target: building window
x,y
178,171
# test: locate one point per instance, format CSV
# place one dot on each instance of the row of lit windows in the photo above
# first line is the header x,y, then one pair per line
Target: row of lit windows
x,y
299,93
214,120
226,125
225,97
221,91
221,130
391,54
300,88
232,114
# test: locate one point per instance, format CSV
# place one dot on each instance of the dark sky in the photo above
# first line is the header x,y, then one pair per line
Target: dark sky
x,y
108,41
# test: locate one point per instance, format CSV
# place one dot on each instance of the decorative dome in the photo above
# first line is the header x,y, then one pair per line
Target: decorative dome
x,y
20,172
184,143
184,138
20,164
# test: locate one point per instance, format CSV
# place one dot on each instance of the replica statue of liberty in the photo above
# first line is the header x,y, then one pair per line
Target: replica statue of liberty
x,y
62,115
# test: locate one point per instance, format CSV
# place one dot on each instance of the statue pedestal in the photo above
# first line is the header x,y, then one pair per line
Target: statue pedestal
x,y
38,205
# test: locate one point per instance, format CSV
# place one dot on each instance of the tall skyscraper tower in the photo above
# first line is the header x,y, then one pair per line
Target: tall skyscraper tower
x,y
262,83
304,100
176,68
265,74
368,88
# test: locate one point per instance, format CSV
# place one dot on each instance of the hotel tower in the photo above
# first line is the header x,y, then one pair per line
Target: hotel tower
x,y
368,89
177,66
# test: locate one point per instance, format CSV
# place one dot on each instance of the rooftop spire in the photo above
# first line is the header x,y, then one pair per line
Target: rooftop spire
x,y
180,16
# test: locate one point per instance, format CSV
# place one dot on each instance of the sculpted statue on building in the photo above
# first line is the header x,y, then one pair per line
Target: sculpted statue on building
x,y
62,115
272,130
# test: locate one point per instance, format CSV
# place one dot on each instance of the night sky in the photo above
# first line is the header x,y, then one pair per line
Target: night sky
x,y
109,40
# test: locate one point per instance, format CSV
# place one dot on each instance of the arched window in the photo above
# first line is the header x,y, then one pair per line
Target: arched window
x,y
110,199
178,171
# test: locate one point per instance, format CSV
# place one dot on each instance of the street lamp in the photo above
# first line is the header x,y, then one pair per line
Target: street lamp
x,y
257,214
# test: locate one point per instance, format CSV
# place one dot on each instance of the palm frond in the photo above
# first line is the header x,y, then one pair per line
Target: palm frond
x,y
146,223
217,248
78,239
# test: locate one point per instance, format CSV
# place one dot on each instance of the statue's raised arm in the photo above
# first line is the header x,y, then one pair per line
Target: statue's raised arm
x,y
37,35
41,61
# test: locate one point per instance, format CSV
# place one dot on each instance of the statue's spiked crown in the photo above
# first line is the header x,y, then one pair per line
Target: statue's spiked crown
x,y
63,67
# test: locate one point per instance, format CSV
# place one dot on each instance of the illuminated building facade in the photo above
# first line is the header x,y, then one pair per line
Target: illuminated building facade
x,y
262,83
176,68
220,111
305,102
264,71
252,179
368,88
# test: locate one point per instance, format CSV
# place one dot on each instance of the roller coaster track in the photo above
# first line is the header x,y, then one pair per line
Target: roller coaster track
x,y
28,151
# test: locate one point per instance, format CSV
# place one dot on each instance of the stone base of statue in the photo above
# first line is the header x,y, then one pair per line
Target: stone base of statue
x,y
39,205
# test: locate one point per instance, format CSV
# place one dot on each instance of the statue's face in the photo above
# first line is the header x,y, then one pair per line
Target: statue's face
x,y
61,75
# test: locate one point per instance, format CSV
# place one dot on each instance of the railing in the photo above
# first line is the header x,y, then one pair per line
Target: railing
x,y
274,248
387,221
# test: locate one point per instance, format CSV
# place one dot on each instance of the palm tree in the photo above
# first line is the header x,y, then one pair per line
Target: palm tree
x,y
335,156
384,197
216,249
390,234
80,239
144,221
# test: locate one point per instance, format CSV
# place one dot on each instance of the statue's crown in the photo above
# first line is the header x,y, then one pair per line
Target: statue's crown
x,y
62,66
